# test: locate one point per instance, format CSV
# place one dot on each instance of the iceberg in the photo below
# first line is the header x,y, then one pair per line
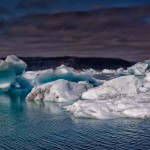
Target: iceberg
x,y
100,95
65,73
137,106
138,69
92,109
147,62
10,68
91,72
7,77
32,79
107,71
18,65
28,79
125,85
120,72
58,91
147,78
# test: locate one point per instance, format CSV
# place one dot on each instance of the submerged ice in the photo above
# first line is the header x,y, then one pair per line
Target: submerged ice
x,y
126,93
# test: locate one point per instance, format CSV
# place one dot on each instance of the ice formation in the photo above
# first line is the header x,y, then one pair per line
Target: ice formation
x,y
138,69
31,79
65,73
16,64
147,78
10,68
58,91
107,71
126,95
134,107
120,72
28,79
147,62
125,85
92,109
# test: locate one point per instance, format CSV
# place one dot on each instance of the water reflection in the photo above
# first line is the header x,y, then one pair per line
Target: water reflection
x,y
15,102
49,107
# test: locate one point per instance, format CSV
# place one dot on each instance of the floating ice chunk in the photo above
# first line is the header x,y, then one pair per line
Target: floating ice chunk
x,y
15,63
120,72
95,110
91,72
28,79
138,112
25,83
11,67
143,89
7,77
59,91
147,78
138,69
146,85
107,71
137,106
125,85
31,79
65,73
147,62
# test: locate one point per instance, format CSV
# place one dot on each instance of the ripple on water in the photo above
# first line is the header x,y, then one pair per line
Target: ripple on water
x,y
46,126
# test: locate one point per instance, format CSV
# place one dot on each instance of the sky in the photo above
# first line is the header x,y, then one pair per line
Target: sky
x,y
67,5
15,39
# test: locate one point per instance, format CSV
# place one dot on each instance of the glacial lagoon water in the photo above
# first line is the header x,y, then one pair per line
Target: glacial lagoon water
x,y
46,126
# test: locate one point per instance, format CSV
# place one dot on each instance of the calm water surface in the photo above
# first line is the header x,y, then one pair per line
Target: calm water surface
x,y
45,126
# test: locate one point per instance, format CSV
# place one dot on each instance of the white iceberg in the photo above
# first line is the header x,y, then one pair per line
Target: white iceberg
x,y
120,72
138,69
58,91
137,106
107,71
125,85
92,109
91,72
147,78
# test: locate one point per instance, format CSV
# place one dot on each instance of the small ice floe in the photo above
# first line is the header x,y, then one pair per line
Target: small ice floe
x,y
107,71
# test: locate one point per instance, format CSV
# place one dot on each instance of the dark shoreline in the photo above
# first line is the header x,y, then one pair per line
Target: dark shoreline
x,y
41,63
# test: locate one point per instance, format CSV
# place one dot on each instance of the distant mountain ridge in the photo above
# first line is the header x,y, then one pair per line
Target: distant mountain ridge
x,y
40,63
